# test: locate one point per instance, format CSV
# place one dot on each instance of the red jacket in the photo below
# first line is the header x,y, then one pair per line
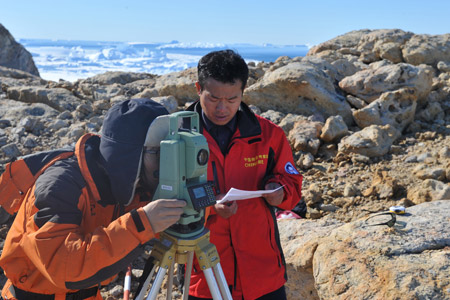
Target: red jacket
x,y
68,235
248,242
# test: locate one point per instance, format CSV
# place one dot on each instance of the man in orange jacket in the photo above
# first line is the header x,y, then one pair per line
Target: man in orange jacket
x,y
88,216
247,152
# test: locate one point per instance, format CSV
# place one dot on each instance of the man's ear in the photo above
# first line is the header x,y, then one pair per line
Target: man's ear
x,y
198,87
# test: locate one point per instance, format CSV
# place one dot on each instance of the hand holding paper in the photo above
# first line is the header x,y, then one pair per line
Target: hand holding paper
x,y
236,194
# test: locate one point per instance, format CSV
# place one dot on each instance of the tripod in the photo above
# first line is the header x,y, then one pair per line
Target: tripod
x,y
170,250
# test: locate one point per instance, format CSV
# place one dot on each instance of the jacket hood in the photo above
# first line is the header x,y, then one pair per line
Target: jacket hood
x,y
122,141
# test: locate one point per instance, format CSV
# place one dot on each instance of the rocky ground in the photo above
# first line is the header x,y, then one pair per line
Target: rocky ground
x,y
367,115
349,187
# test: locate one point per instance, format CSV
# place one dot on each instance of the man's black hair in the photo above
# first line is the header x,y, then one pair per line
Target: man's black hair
x,y
225,66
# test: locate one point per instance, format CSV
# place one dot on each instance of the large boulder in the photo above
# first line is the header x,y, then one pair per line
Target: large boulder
x,y
181,85
371,83
368,45
342,43
427,49
299,241
307,87
411,260
14,55
396,108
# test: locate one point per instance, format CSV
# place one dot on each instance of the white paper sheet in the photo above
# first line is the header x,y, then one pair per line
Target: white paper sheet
x,y
235,194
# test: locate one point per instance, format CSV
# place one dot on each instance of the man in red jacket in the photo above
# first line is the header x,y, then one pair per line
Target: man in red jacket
x,y
247,152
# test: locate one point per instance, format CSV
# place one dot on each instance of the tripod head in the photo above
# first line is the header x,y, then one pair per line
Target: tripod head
x,y
184,156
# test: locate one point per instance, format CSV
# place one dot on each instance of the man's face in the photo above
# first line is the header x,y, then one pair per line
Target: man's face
x,y
151,168
220,101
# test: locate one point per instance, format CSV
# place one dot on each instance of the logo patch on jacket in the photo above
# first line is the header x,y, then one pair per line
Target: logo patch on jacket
x,y
260,159
289,168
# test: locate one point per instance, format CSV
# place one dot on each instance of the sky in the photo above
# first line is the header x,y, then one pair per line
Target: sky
x,y
278,22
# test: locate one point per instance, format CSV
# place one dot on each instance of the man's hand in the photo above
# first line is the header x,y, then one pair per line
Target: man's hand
x,y
163,213
227,209
276,197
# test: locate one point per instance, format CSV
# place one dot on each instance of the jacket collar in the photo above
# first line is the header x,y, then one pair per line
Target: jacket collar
x,y
88,155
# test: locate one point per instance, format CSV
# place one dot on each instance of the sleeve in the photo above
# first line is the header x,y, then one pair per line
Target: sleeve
x,y
281,168
68,254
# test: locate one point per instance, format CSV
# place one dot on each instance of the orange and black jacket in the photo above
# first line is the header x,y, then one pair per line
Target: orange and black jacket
x,y
68,234
248,242
82,222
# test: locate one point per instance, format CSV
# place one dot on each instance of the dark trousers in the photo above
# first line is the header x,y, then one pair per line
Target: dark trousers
x,y
279,294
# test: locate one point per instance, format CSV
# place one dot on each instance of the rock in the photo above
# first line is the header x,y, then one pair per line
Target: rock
x,y
115,77
169,102
304,136
368,45
350,256
274,116
383,185
344,65
444,152
147,93
288,122
329,207
372,141
83,111
306,160
350,190
356,102
108,92
58,98
427,49
396,108
255,109
371,83
298,238
181,85
382,44
5,123
431,113
300,88
313,194
12,77
334,129
10,150
423,157
29,142
423,172
13,55
443,66
343,43
429,190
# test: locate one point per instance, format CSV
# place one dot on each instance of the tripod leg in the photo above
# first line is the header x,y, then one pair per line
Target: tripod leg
x,y
212,284
141,294
222,282
170,281
156,286
187,276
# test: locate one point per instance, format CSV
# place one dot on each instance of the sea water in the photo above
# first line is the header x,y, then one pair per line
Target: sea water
x,y
71,60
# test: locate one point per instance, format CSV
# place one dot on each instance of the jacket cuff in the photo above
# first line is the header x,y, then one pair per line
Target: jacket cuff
x,y
143,226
